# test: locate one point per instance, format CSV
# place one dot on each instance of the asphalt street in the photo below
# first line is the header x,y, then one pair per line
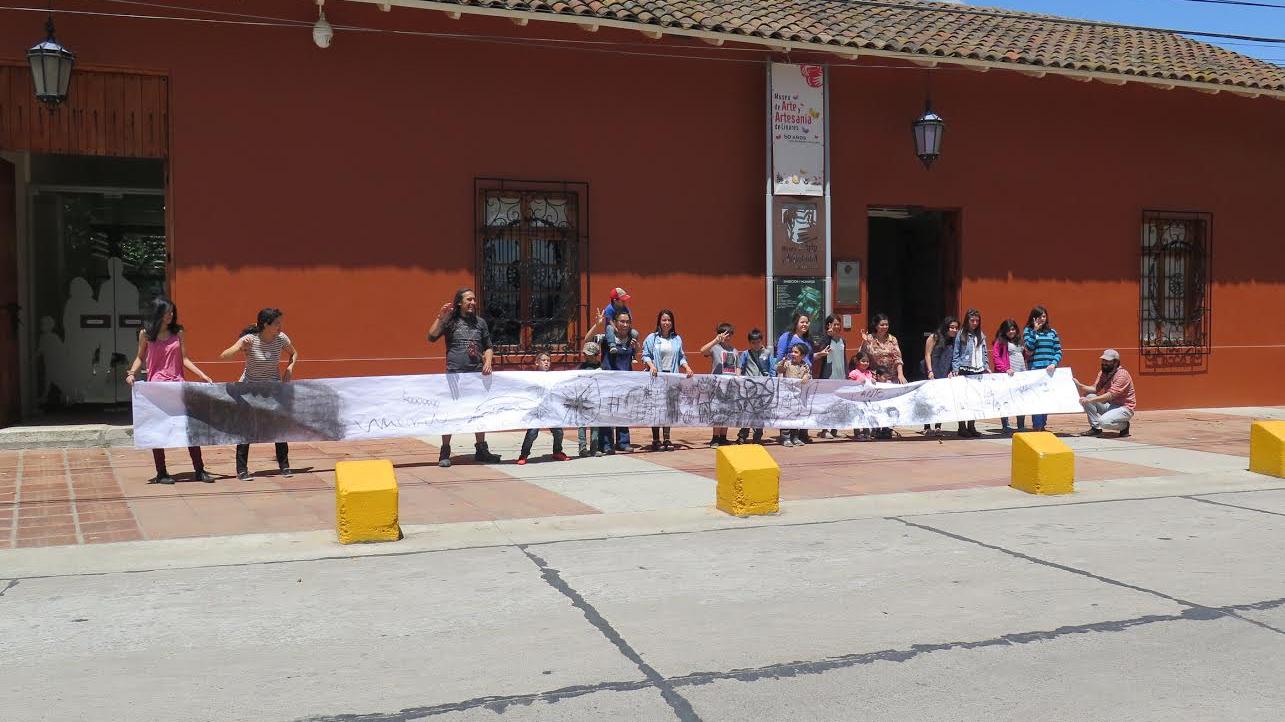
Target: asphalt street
x,y
1160,608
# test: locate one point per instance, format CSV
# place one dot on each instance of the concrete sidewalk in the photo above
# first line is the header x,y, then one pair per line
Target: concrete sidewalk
x,y
51,497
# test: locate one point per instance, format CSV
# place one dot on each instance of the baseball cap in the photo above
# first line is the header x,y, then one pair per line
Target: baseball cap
x,y
1110,355
591,348
620,294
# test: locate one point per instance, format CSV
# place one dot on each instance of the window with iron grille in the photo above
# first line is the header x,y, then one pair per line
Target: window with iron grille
x,y
1174,314
532,246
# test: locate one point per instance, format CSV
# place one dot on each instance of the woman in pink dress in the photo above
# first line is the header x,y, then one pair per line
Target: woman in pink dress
x,y
161,348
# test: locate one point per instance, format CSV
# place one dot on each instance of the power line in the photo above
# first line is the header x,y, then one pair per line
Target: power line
x,y
267,21
540,43
1244,3
891,4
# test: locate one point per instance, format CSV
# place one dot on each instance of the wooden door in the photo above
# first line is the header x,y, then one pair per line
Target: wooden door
x,y
10,402
952,261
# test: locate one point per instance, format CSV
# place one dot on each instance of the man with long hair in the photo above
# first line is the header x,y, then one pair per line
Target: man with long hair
x,y
468,350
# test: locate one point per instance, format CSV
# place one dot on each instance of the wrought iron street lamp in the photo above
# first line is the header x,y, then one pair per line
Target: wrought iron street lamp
x,y
51,66
928,131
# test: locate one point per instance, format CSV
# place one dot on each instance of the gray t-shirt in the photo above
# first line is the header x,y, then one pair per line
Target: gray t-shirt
x,y
835,361
724,359
466,340
1016,361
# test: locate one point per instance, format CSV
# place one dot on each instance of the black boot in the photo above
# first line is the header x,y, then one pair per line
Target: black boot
x,y
202,475
482,454
444,457
163,477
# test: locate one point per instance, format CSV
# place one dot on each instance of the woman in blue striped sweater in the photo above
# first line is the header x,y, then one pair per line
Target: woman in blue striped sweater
x,y
1044,350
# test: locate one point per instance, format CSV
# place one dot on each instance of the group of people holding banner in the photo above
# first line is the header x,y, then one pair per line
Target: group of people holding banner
x,y
955,349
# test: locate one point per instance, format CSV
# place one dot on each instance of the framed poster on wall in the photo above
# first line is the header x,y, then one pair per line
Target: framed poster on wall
x,y
798,236
804,295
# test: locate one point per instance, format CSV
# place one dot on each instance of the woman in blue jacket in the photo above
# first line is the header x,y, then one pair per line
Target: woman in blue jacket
x,y
663,351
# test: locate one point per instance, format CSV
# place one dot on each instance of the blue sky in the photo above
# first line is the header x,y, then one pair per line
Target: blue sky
x,y
1176,14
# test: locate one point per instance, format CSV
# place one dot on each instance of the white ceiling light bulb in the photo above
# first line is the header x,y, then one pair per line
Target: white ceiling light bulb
x,y
322,32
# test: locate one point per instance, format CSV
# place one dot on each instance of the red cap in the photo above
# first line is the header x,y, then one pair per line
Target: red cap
x,y
620,294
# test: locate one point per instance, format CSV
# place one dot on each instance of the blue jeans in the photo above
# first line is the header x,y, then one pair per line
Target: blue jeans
x,y
1038,421
606,433
530,439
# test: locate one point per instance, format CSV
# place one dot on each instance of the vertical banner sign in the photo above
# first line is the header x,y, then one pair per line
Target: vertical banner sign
x,y
798,129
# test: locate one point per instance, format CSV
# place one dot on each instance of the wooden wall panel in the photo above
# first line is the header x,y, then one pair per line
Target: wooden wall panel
x,y
106,113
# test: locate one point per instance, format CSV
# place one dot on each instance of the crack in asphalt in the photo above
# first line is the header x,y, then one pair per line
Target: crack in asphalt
x,y
1216,611
1047,563
783,670
496,703
679,704
1230,506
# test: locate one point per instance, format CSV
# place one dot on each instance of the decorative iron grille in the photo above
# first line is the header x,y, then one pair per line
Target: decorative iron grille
x,y
532,251
1174,312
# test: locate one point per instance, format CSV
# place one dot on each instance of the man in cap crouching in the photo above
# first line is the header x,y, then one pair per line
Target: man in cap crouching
x,y
1110,401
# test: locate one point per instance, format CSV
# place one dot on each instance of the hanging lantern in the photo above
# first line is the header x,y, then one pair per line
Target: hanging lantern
x,y
928,131
51,68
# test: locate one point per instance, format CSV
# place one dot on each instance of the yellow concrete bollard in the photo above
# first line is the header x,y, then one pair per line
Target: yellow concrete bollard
x,y
749,481
366,501
1267,448
1042,464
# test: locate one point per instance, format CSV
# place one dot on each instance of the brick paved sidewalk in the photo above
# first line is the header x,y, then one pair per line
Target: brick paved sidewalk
x,y
83,496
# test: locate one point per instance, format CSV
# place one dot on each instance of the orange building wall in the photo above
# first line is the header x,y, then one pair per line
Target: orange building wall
x,y
337,184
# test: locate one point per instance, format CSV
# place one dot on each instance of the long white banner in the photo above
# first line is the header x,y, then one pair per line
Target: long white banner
x,y
168,414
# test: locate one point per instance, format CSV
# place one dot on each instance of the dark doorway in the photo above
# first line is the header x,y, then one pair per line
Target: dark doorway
x,y
913,274
9,390
99,256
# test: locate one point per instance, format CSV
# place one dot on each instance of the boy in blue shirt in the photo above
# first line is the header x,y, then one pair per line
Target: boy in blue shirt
x,y
757,361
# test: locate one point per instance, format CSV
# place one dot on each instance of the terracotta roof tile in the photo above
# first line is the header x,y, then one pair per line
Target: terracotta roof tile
x,y
930,28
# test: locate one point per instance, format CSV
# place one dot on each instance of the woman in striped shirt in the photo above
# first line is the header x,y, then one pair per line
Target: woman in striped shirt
x,y
1044,347
263,343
